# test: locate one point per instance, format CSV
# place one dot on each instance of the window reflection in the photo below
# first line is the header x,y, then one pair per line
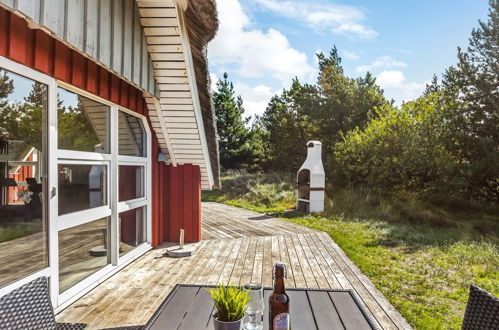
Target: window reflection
x,y
81,187
82,123
82,252
132,135
23,230
131,182
132,229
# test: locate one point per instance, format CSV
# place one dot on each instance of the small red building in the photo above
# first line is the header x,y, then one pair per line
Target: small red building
x,y
107,135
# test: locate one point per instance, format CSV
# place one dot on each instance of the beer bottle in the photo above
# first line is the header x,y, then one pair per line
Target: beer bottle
x,y
279,301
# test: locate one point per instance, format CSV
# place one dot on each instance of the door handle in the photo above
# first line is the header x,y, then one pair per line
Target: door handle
x,y
53,192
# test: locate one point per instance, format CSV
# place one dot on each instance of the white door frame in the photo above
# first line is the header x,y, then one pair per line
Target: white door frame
x,y
49,204
113,207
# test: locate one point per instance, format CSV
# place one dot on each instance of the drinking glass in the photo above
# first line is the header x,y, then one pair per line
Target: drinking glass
x,y
253,319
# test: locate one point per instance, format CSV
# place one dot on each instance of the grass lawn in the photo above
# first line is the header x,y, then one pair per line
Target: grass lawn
x,y
12,231
422,259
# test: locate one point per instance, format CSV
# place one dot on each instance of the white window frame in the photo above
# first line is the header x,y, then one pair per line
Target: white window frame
x,y
113,160
56,223
145,201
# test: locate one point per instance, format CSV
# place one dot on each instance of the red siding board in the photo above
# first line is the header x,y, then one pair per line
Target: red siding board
x,y
132,99
115,89
104,86
161,224
62,62
44,52
176,191
123,101
154,211
175,206
141,105
18,37
4,32
79,72
92,78
187,204
196,203
166,207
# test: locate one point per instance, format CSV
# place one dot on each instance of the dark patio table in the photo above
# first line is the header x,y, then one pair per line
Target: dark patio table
x,y
189,307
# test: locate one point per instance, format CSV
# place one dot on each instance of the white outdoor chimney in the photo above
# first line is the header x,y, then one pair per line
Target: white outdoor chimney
x,y
311,181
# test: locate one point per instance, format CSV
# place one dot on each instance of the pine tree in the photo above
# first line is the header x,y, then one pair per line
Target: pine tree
x,y
474,84
233,134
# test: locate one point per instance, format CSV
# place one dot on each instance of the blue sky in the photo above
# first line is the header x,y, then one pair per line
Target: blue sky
x,y
263,44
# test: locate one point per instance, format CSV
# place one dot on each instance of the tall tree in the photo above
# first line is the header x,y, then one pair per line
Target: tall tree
x,y
344,102
234,136
474,86
286,127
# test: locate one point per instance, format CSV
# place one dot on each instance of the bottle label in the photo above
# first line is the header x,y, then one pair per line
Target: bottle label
x,y
281,321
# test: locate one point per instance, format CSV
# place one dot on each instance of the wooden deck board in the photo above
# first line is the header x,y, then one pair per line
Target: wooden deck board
x,y
239,247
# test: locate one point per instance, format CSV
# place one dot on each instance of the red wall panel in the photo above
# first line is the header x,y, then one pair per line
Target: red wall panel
x,y
183,202
176,193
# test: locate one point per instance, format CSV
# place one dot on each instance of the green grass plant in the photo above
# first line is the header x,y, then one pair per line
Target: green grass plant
x,y
230,302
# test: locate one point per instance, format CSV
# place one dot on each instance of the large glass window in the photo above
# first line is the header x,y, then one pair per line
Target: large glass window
x,y
82,252
132,229
82,123
131,182
132,137
81,187
67,183
84,181
23,229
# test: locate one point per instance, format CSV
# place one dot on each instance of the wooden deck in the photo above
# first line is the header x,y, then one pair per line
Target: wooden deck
x,y
238,246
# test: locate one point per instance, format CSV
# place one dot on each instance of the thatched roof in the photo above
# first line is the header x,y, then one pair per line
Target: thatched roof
x,y
202,24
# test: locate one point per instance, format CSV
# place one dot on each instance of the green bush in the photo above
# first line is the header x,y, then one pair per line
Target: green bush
x,y
400,150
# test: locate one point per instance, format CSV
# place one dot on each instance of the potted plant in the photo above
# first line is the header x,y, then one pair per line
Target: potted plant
x,y
230,304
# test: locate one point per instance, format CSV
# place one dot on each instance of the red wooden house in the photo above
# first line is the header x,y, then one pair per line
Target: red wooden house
x,y
106,124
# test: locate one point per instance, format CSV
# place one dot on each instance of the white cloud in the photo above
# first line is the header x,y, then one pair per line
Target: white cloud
x,y
380,62
255,98
253,52
321,16
395,86
350,55
213,81
390,79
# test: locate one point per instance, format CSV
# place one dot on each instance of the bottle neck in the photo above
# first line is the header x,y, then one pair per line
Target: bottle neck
x,y
279,281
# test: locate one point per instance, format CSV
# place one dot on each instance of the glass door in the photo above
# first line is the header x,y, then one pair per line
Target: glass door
x,y
25,151
84,208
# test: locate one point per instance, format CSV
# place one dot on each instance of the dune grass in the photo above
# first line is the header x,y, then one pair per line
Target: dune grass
x,y
422,256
